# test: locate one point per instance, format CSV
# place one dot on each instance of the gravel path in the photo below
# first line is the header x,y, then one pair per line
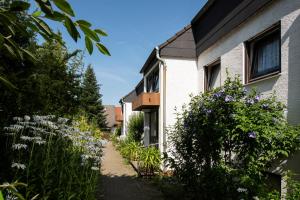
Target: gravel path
x,y
119,180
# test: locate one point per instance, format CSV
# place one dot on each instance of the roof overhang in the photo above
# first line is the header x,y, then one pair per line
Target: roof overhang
x,y
218,17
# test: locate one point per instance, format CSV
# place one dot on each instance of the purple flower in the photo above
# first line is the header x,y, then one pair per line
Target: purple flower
x,y
207,111
249,101
217,95
229,98
245,91
256,99
252,135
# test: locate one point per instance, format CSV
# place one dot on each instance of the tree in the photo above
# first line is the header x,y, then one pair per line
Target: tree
x,y
91,101
11,26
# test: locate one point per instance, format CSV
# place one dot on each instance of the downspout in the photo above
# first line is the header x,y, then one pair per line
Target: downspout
x,y
164,144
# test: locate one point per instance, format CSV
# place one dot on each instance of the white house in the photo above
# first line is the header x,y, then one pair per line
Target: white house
x,y
127,112
258,40
169,77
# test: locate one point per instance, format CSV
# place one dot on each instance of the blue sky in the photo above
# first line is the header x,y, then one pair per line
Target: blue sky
x,y
135,27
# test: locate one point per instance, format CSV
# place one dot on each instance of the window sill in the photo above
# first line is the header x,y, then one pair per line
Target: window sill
x,y
258,80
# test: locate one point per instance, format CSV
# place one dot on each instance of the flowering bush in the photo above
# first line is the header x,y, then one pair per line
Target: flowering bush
x,y
224,139
54,159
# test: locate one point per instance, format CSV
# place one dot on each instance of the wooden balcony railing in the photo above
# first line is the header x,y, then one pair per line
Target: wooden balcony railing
x,y
146,101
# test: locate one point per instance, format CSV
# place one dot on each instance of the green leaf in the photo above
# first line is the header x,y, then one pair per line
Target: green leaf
x,y
37,13
11,86
10,50
45,6
29,55
1,196
90,33
101,32
84,23
64,6
42,25
19,6
56,16
1,40
89,45
70,26
103,49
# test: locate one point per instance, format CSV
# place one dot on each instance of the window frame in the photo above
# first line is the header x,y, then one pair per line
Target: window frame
x,y
249,51
207,69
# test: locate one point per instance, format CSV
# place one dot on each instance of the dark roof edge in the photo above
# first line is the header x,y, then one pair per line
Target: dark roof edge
x,y
141,81
149,59
161,46
127,95
174,37
203,10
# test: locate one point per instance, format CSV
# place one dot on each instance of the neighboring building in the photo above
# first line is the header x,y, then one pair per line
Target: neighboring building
x,y
113,117
127,112
169,77
258,40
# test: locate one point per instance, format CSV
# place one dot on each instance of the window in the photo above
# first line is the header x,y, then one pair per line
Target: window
x,y
153,127
263,54
212,75
153,81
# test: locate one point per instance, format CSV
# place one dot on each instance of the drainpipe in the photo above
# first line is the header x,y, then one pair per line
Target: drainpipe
x,y
164,144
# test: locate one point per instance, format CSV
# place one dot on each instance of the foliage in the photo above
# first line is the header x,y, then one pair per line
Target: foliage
x,y
130,150
49,85
11,191
293,187
118,131
54,159
224,139
136,127
150,160
35,23
81,122
91,101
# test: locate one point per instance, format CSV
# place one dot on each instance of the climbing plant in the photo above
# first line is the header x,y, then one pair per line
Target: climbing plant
x,y
226,138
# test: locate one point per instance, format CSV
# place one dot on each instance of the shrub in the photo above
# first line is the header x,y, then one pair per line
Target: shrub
x,y
54,159
150,160
224,139
136,127
118,131
130,150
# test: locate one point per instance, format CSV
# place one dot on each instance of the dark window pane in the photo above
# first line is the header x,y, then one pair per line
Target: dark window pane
x,y
212,73
153,81
265,55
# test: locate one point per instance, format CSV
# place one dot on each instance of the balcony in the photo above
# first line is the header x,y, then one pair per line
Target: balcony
x,y
146,101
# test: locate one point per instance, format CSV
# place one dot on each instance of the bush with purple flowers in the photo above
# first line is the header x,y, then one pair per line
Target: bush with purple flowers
x,y
225,138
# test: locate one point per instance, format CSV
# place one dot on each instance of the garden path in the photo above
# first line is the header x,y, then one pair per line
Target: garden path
x,y
120,182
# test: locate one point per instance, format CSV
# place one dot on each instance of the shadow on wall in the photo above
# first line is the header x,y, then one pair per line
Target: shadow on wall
x,y
292,36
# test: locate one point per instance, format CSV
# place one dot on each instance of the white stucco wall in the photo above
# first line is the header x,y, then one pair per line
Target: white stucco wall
x,y
230,49
180,83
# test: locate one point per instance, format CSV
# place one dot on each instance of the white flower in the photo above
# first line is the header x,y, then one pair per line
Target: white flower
x,y
242,190
40,142
18,166
19,146
27,118
26,138
95,168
